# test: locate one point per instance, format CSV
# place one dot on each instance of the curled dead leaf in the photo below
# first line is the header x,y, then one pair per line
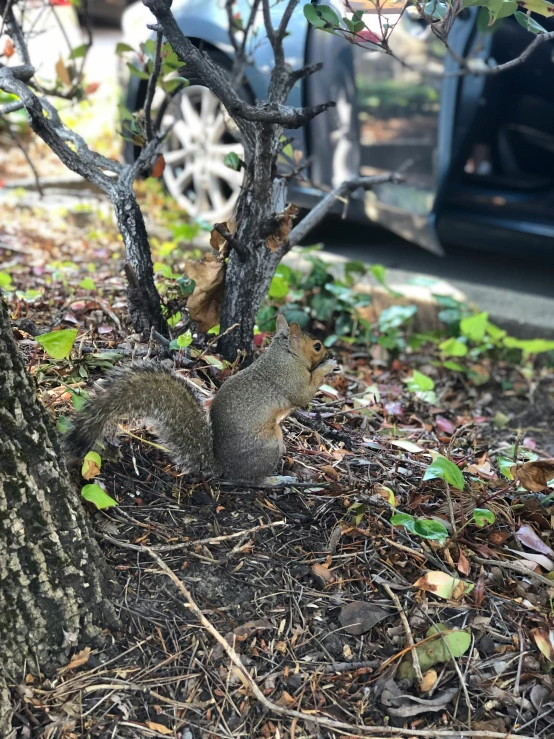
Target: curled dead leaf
x,y
160,728
78,660
428,682
63,72
544,639
443,585
9,48
323,574
159,166
534,476
204,304
281,234
219,242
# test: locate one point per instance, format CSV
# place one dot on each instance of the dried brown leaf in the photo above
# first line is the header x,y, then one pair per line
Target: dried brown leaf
x,y
78,660
159,166
284,228
428,682
534,476
323,573
160,728
63,73
204,304
359,616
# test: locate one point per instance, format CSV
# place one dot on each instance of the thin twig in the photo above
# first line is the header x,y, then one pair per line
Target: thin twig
x,y
314,717
407,631
151,89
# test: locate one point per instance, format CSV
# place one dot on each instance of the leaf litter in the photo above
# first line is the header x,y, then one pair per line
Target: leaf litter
x,y
302,582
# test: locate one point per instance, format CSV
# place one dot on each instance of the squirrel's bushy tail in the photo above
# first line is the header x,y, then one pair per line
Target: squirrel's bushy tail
x,y
152,393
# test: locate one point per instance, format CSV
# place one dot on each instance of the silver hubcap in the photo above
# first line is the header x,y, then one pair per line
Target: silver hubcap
x,y
201,138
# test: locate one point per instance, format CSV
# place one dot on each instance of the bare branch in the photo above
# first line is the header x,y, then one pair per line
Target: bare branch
x,y
299,74
151,89
230,239
325,205
270,31
285,20
46,130
214,79
11,107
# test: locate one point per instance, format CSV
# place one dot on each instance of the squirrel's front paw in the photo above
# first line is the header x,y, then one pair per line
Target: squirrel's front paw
x,y
329,366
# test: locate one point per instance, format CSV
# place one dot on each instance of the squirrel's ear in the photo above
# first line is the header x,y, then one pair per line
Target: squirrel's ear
x,y
295,330
281,323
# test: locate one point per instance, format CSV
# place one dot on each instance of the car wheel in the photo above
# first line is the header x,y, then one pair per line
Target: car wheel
x,y
202,135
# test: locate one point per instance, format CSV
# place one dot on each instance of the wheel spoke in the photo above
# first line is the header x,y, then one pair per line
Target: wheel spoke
x,y
218,169
175,156
185,176
221,150
190,115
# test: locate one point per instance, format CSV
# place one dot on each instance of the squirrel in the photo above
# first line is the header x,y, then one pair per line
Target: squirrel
x,y
242,440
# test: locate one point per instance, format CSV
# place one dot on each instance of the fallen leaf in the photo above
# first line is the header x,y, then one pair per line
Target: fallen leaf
x,y
539,559
445,425
323,573
463,564
360,616
285,699
526,535
443,585
78,660
428,682
409,446
204,304
91,465
330,471
544,639
441,644
160,728
535,476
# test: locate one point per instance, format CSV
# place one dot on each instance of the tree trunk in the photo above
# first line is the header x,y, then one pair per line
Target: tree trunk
x,y
53,578
247,280
143,299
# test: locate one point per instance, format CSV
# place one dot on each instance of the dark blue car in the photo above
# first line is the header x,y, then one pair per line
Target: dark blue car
x,y
477,151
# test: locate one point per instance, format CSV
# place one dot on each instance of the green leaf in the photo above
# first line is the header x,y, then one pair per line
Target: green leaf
x,y
453,348
173,320
182,341
453,366
94,494
500,9
395,316
474,327
232,161
121,48
419,381
433,651
404,519
482,516
529,346
5,280
505,465
58,344
445,470
295,314
63,424
494,332
428,528
141,74
278,288
321,16
87,283
214,361
78,51
175,83
530,24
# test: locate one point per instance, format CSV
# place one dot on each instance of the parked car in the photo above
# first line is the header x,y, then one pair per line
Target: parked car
x,y
477,151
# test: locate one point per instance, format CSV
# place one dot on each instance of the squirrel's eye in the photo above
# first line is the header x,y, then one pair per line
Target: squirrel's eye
x,y
317,346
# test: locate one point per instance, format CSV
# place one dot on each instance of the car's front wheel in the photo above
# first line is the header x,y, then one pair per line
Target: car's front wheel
x,y
202,135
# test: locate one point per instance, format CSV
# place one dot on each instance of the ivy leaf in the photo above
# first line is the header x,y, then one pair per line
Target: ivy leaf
x,y
95,494
182,341
279,288
232,161
404,519
395,316
474,327
530,24
445,470
482,516
321,16
505,465
428,528
453,348
87,283
141,74
58,344
121,48
78,51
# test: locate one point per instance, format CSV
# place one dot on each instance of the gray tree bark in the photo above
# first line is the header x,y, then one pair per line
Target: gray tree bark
x,y
54,581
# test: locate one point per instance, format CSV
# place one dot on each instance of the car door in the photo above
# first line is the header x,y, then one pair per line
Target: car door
x,y
407,108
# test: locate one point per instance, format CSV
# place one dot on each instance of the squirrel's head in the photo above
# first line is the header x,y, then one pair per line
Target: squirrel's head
x,y
310,351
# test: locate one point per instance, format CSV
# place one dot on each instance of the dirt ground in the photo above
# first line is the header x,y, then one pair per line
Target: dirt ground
x,y
310,584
